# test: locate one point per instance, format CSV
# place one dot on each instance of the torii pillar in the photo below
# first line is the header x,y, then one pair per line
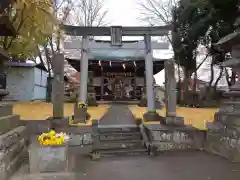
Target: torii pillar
x,y
151,114
80,113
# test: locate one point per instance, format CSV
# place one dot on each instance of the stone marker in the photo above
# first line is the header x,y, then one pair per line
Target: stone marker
x,y
58,85
170,95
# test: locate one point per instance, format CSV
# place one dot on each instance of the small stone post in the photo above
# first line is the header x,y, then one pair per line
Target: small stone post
x,y
170,95
170,88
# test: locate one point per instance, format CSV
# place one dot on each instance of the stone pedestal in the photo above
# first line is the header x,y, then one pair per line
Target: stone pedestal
x,y
167,138
80,114
43,159
153,116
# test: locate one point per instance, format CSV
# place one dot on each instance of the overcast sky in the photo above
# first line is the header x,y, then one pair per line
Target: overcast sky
x,y
123,12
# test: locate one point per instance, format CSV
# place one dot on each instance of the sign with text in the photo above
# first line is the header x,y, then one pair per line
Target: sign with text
x,y
116,35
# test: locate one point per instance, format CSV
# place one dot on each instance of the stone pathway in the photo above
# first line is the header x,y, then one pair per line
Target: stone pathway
x,y
118,114
168,166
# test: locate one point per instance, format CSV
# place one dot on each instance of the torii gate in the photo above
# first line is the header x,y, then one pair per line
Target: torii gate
x,y
116,33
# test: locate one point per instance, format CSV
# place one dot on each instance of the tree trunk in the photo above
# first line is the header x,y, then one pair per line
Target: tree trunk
x,y
218,78
208,94
186,81
179,84
49,79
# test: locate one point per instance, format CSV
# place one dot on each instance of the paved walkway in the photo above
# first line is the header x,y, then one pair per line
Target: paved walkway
x,y
168,166
118,114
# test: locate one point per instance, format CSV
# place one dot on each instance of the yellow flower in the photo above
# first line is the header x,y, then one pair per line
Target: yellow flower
x,y
50,138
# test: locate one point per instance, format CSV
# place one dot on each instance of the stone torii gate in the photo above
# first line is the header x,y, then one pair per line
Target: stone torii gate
x,y
116,33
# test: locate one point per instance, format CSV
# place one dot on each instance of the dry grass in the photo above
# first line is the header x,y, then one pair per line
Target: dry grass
x,y
194,116
41,110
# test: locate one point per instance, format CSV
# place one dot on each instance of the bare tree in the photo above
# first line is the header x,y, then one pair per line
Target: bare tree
x,y
88,13
61,9
85,13
157,11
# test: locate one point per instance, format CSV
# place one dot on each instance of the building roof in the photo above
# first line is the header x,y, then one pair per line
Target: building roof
x,y
26,65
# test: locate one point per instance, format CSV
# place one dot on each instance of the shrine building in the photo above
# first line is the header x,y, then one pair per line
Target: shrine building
x,y
116,73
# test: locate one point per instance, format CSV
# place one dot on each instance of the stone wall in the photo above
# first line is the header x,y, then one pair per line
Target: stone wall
x,y
13,142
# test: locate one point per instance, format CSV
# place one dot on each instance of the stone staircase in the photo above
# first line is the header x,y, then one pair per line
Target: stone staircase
x,y
13,141
118,140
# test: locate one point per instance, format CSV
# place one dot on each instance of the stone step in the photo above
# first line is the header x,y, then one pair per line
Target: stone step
x,y
8,169
119,136
122,152
5,109
118,128
7,123
119,145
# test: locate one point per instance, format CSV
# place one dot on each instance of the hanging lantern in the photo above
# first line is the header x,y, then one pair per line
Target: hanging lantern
x,y
99,63
110,63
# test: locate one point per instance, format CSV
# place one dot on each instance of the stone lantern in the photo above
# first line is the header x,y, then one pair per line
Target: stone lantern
x,y
223,135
